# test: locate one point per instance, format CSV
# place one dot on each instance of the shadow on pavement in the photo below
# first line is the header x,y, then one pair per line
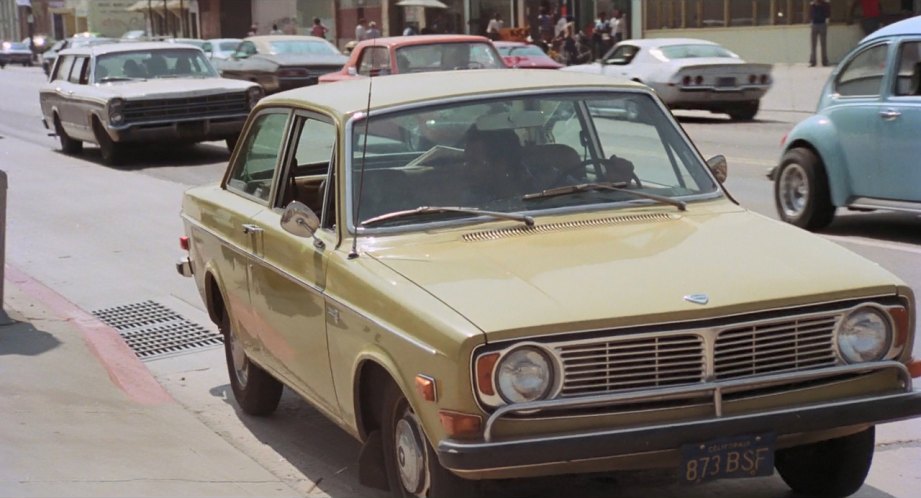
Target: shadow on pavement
x,y
888,226
21,338
143,156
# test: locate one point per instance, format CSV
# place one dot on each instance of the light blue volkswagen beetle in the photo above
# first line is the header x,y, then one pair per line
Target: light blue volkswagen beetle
x,y
862,148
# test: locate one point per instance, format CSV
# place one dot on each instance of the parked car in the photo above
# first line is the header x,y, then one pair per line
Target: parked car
x,y
689,74
220,48
525,56
134,35
488,275
282,62
120,94
860,149
51,54
15,53
194,42
416,54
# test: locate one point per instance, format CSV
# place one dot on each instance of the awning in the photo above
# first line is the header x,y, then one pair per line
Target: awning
x,y
430,4
139,6
157,5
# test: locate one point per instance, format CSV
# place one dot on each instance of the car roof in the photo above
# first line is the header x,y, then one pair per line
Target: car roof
x,y
109,48
347,97
510,44
910,26
661,42
421,40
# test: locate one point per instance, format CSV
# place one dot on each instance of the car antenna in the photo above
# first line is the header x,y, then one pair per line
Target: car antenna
x,y
364,148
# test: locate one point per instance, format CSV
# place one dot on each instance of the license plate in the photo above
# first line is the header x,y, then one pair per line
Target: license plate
x,y
725,82
733,457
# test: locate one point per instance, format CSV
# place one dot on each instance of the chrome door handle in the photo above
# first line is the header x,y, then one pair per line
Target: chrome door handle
x,y
249,229
889,114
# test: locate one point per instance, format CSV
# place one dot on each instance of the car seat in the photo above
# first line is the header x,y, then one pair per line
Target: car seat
x,y
131,69
156,66
183,66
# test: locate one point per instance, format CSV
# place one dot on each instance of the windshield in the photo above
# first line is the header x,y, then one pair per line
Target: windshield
x,y
228,46
447,57
694,51
524,50
504,155
150,64
302,47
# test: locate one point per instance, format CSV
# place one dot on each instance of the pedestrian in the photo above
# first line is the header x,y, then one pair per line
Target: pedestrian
x,y
318,29
494,27
253,29
870,13
372,32
361,29
545,23
601,34
618,27
275,30
819,12
409,30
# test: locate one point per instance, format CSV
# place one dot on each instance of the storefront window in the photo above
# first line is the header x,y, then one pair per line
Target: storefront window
x,y
679,14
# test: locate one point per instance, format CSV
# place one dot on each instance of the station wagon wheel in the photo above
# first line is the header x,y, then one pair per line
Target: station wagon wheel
x,y
413,469
112,152
801,191
255,390
836,467
68,145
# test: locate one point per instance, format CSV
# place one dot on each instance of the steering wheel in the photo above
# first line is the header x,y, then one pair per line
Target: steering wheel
x,y
606,164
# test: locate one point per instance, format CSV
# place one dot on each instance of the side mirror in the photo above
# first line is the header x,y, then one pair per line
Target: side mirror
x,y
300,220
719,167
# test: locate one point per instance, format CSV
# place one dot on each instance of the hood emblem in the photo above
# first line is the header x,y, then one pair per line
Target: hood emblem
x,y
697,298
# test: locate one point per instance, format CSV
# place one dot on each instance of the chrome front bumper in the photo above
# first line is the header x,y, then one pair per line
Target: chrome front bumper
x,y
184,266
482,457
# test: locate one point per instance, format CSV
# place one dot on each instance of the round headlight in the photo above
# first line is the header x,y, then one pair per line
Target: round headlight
x,y
523,375
115,108
864,335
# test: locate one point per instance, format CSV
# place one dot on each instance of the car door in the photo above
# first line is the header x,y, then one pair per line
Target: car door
x,y
59,96
237,66
621,61
289,276
899,127
249,186
853,110
78,105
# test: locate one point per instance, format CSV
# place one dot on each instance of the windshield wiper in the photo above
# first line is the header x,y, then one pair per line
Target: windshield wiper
x,y
107,79
527,220
616,187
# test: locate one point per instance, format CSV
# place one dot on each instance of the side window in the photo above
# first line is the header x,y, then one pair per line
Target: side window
x,y
248,48
908,78
254,169
374,60
307,178
63,69
78,71
863,75
622,55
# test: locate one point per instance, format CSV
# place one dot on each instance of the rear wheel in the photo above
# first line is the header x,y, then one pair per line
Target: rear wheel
x,y
255,390
231,143
832,468
113,154
68,145
744,111
413,469
801,191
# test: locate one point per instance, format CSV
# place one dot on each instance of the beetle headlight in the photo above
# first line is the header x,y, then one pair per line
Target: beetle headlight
x,y
253,95
864,335
115,108
524,374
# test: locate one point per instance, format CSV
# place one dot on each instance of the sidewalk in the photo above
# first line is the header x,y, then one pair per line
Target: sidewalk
x,y
75,424
796,88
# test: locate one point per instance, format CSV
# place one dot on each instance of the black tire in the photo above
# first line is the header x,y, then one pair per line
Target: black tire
x,y
801,192
68,145
46,68
113,154
255,390
833,468
744,111
231,142
431,480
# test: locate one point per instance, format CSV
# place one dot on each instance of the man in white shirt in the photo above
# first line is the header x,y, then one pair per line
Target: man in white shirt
x,y
618,26
361,30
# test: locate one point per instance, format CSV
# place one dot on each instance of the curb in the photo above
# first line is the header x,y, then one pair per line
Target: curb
x,y
125,370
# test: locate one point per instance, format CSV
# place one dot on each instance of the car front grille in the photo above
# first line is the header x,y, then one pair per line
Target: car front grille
x,y
645,361
139,111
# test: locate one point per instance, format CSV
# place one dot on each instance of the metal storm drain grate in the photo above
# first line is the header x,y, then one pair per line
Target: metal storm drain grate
x,y
153,330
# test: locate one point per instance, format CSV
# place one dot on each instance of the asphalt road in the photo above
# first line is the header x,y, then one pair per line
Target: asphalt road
x,y
105,237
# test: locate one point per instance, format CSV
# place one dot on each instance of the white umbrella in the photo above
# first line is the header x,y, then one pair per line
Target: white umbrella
x,y
431,4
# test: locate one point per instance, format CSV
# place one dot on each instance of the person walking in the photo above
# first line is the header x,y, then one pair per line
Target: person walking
x,y
361,30
275,30
601,35
318,29
372,32
618,26
870,13
494,27
819,12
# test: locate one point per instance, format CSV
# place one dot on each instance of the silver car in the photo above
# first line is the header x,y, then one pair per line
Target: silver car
x,y
118,94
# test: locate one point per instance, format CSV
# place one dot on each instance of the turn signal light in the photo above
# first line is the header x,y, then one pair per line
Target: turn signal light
x,y
899,317
484,368
914,368
184,243
425,386
460,425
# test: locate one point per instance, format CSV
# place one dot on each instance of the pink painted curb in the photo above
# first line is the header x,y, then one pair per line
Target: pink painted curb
x,y
124,368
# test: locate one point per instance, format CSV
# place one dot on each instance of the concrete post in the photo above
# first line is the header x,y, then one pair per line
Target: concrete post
x,y
4,318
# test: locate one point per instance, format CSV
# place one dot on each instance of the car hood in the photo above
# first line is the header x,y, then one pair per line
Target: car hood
x,y
628,271
173,87
305,60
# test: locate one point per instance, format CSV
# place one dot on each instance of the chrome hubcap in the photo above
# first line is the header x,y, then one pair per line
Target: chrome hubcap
x,y
240,363
410,455
793,190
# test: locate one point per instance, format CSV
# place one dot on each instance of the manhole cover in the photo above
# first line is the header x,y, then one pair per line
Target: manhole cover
x,y
154,331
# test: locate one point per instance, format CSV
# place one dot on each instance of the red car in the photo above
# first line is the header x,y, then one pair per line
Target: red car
x,y
416,54
525,56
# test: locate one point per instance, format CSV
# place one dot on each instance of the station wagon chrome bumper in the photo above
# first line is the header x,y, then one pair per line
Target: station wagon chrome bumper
x,y
489,456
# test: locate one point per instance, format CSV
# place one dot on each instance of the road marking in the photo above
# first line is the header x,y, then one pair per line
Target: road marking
x,y
893,246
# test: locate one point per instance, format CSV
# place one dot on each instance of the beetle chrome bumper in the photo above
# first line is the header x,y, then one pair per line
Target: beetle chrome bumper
x,y
184,266
481,458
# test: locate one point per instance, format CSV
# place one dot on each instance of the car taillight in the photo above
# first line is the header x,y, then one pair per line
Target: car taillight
x,y
184,243
764,79
698,80
752,78
686,80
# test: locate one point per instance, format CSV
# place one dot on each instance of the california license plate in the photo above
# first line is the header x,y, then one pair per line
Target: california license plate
x,y
740,456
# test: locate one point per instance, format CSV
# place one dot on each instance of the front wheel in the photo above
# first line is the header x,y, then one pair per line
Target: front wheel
x,y
255,390
801,191
113,153
412,467
833,468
